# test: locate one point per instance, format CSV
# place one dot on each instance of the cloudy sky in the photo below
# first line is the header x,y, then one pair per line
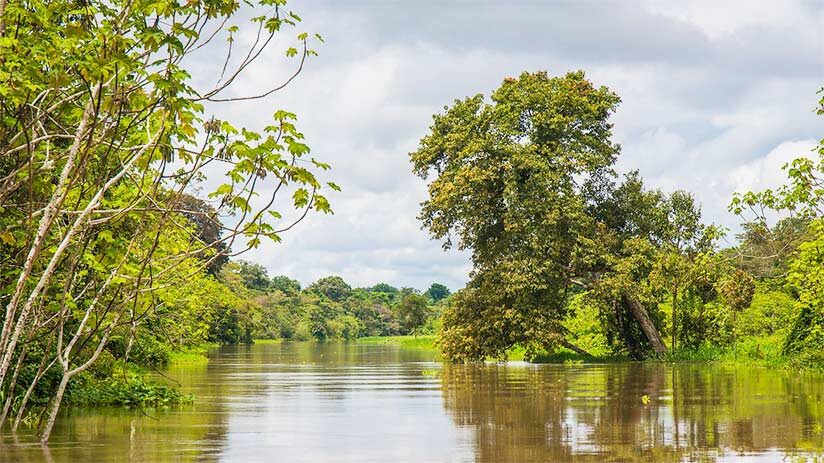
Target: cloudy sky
x,y
717,96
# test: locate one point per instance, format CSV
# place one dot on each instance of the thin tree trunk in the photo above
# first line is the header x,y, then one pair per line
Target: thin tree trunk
x,y
42,369
12,386
674,317
8,340
58,398
642,316
69,373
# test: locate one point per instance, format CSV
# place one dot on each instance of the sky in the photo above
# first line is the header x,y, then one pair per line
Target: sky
x,y
716,97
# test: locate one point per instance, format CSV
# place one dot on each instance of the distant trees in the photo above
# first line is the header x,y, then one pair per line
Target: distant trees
x,y
285,284
329,308
384,288
436,292
332,287
253,276
411,309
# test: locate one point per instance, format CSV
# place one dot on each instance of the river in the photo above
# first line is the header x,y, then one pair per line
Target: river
x,y
349,402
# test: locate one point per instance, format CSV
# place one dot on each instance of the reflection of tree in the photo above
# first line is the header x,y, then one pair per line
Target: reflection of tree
x,y
193,433
597,413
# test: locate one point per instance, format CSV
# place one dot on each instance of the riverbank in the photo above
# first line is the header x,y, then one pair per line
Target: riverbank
x,y
423,342
755,351
143,387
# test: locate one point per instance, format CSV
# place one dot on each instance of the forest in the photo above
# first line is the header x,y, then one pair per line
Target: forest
x,y
126,206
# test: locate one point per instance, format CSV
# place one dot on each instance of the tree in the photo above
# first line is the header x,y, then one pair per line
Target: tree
x,y
102,133
384,288
684,239
523,183
436,292
766,251
285,284
333,287
208,229
411,310
253,276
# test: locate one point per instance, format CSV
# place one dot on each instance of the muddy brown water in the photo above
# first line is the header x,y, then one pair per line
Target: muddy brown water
x,y
349,402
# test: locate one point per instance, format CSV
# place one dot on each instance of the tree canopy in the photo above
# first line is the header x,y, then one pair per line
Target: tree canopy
x,y
526,183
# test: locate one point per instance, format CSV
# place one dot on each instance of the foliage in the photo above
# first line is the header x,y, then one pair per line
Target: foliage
x,y
806,339
285,285
332,287
384,288
104,135
133,390
412,310
770,312
584,327
436,292
253,276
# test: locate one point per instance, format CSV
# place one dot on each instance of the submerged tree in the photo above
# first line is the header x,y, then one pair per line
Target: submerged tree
x,y
103,135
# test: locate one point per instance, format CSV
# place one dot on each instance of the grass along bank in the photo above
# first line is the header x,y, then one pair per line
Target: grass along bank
x,y
756,351
423,342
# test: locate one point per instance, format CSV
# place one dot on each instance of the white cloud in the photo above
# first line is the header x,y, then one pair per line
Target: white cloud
x,y
768,171
720,18
715,95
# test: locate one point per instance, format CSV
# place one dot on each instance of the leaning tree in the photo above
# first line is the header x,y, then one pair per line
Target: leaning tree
x,y
103,137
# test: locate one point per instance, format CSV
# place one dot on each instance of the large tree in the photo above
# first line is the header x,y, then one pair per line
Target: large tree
x,y
526,183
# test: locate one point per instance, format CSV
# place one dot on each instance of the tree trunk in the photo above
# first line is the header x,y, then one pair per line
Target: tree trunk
x,y
674,316
58,398
642,317
575,348
12,387
41,370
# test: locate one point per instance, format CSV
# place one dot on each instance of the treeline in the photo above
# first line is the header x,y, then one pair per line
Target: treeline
x,y
568,255
251,305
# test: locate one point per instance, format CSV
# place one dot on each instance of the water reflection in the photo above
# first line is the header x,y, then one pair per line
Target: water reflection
x,y
305,402
598,413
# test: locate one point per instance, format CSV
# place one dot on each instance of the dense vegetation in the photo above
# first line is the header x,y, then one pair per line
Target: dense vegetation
x,y
116,254
259,307
104,141
567,254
